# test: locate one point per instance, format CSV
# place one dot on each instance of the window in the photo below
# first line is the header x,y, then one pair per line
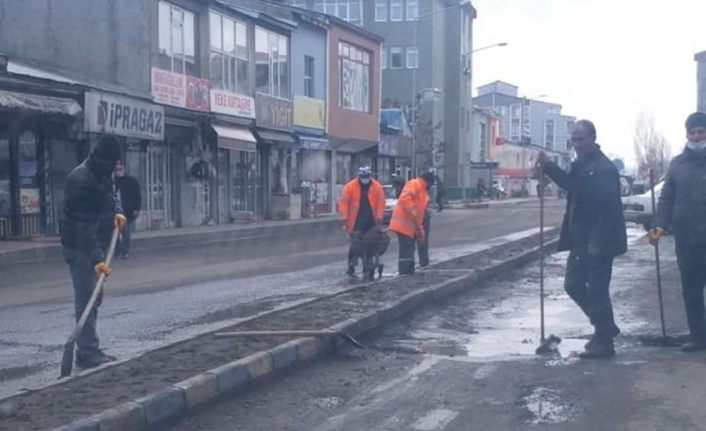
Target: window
x,y
308,76
177,40
396,10
412,58
348,10
396,58
380,10
229,54
299,3
549,134
354,78
383,58
271,63
412,10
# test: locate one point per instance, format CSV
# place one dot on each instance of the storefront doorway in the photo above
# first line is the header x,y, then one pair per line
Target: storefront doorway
x,y
21,184
148,161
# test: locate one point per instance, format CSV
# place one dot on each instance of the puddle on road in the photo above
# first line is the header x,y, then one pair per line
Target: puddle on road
x,y
547,406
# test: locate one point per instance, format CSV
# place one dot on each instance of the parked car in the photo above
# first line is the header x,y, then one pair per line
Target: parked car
x,y
638,208
390,202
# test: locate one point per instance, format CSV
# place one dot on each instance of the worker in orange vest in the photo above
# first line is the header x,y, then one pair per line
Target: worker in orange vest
x,y
361,207
408,219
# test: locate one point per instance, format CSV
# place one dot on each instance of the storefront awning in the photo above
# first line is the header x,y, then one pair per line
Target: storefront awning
x,y
312,143
35,102
280,139
354,146
235,138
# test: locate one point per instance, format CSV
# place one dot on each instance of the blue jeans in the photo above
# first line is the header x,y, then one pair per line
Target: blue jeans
x,y
84,281
126,237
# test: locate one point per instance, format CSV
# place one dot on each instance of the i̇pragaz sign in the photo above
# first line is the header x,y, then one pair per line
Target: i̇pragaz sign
x,y
123,116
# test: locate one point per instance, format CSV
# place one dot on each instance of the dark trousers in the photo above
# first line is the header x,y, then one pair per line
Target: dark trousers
x,y
692,266
84,281
423,247
406,254
125,238
587,282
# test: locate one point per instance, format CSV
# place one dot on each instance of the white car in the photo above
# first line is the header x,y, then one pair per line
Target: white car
x,y
638,208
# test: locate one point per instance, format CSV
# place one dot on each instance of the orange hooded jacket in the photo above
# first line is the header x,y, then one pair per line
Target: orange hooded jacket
x,y
349,202
408,215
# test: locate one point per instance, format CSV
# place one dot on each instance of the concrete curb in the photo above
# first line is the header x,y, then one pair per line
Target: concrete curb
x,y
186,397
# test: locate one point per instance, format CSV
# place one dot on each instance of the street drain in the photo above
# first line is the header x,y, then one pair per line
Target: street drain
x,y
546,406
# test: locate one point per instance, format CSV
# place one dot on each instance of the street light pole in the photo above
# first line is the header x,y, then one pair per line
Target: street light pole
x,y
415,94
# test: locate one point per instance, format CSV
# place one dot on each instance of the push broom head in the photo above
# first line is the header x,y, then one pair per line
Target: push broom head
x,y
67,361
548,345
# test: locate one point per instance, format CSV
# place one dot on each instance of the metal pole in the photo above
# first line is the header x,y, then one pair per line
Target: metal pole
x,y
415,103
659,275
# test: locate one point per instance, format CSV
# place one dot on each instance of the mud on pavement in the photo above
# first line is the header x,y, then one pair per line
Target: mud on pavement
x,y
92,393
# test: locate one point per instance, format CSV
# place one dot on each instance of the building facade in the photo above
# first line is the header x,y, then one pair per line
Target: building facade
x,y
221,107
701,81
426,62
525,127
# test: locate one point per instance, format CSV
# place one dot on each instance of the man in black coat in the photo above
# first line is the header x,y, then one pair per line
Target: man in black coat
x,y
682,209
131,198
593,231
91,211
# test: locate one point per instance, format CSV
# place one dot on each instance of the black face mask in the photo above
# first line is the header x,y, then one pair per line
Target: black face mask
x,y
101,167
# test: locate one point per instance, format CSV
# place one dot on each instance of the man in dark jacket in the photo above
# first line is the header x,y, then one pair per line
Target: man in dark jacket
x,y
91,210
131,199
593,231
682,209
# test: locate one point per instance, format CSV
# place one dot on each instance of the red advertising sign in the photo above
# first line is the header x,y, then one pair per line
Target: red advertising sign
x,y
178,90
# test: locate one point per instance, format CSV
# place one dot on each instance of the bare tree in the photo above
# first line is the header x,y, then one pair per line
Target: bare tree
x,y
652,150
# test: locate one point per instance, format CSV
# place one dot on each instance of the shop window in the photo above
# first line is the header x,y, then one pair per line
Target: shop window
x,y
396,10
380,10
395,58
271,63
177,40
308,76
229,54
4,184
412,10
354,78
412,58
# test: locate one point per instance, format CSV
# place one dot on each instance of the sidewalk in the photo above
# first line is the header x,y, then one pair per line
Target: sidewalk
x,y
49,249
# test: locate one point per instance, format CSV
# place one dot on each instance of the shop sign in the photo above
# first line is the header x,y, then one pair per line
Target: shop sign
x,y
182,91
123,116
273,112
224,102
29,201
485,165
310,113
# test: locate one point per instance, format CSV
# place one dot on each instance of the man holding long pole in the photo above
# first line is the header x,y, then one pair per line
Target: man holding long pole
x,y
593,231
682,208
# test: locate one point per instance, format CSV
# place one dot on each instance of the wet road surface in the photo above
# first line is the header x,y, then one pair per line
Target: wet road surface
x,y
266,274
469,364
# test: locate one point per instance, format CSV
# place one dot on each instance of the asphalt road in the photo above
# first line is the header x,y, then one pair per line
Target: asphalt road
x,y
469,364
147,303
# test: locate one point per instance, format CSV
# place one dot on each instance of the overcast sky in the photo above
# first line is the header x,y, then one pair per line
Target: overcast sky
x,y
605,60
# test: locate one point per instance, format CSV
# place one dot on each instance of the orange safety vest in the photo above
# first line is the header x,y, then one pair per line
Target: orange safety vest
x,y
349,202
408,215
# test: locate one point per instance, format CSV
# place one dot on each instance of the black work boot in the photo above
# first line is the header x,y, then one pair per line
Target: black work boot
x,y
612,334
694,346
350,270
93,358
599,349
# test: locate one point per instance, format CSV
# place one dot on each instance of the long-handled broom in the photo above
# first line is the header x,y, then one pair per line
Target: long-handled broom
x,y
546,344
664,340
67,361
